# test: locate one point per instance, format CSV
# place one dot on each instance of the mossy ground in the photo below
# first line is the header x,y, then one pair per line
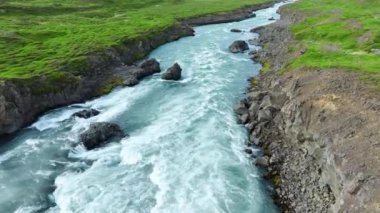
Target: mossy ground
x,y
38,36
342,34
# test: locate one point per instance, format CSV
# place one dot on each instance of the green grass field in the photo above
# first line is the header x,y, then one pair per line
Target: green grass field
x,y
38,36
341,34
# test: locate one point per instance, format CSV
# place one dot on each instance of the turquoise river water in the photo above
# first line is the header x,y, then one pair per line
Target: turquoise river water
x,y
184,152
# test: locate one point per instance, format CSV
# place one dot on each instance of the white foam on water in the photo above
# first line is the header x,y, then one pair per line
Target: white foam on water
x,y
184,153
54,119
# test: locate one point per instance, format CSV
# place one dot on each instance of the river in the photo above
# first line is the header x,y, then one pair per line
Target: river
x,y
184,152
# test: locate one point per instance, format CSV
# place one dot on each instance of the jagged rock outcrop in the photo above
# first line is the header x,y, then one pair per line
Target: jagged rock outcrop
x,y
318,130
148,67
99,134
238,47
173,73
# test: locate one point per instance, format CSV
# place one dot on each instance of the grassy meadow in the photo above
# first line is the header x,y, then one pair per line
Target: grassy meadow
x,y
342,34
38,36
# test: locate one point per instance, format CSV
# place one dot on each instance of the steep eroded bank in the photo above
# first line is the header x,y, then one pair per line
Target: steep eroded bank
x,y
319,129
21,101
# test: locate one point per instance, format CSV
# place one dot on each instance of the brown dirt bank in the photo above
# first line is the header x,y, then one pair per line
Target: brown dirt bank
x,y
21,102
319,129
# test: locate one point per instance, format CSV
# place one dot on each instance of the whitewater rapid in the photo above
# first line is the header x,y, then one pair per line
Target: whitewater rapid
x,y
184,152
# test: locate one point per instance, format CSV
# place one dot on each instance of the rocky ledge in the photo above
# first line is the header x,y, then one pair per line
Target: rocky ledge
x,y
318,129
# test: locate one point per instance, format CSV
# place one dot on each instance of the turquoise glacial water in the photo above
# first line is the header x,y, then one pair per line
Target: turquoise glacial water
x,y
184,153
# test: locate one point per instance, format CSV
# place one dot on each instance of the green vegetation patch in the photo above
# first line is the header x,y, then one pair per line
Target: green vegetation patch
x,y
38,37
339,34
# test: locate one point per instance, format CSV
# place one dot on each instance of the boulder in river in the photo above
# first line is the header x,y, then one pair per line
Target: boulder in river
x,y
173,73
238,46
86,113
271,19
151,66
135,74
236,31
99,134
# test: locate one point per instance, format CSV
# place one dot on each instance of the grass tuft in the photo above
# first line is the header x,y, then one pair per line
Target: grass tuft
x,y
342,34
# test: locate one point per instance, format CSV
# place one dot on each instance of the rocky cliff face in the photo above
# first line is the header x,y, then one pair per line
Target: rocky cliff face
x,y
319,130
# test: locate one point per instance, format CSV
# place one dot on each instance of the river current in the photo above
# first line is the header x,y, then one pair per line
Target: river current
x,y
184,152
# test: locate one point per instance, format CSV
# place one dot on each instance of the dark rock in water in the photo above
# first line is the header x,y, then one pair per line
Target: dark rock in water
x,y
87,113
99,134
238,46
151,65
147,68
173,73
131,81
248,151
236,31
271,19
133,74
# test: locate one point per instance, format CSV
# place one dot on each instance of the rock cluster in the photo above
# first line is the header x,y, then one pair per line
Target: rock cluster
x,y
261,113
319,142
147,68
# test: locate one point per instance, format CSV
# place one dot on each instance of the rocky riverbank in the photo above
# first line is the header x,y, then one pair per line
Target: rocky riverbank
x,y
21,101
319,129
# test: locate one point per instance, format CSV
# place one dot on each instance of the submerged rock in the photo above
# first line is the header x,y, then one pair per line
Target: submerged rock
x,y
173,73
236,31
86,113
99,134
238,46
248,151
